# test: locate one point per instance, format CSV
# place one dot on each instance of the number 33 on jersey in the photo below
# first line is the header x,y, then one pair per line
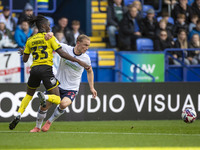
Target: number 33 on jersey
x,y
41,49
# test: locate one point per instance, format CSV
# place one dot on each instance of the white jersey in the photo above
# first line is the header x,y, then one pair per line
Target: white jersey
x,y
69,73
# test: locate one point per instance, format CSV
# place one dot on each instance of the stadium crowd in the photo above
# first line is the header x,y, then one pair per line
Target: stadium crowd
x,y
14,31
175,27
178,26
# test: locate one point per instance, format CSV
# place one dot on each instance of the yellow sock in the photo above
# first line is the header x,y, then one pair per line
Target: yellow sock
x,y
54,99
24,103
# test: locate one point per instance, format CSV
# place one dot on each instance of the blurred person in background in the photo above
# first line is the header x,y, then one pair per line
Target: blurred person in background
x,y
162,25
9,21
115,14
149,25
182,8
129,30
61,37
6,37
195,30
166,16
62,27
194,56
193,22
138,5
182,43
196,7
179,24
22,33
74,33
28,11
163,42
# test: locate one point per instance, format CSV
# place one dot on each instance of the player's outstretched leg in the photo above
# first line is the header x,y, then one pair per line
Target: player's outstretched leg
x,y
13,123
40,117
42,99
46,126
35,129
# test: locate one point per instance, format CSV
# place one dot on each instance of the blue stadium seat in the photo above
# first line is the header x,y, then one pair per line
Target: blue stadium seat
x,y
144,44
50,20
170,20
93,57
145,8
128,2
190,2
15,19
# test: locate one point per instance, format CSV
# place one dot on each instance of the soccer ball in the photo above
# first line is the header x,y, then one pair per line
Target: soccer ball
x,y
189,115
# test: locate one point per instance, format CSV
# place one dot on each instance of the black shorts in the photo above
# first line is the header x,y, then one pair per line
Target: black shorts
x,y
42,73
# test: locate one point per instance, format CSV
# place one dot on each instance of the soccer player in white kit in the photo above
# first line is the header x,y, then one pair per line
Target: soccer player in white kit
x,y
69,74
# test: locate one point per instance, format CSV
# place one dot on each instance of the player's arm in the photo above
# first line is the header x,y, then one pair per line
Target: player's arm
x,y
90,77
25,57
65,55
62,53
26,52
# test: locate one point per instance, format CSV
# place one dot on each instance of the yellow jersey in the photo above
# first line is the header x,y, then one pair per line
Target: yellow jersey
x,y
41,49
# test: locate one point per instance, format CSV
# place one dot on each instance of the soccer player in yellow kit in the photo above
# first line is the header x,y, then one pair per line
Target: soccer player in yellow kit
x,y
41,69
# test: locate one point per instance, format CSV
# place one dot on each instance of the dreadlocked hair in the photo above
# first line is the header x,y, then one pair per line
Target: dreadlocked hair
x,y
37,20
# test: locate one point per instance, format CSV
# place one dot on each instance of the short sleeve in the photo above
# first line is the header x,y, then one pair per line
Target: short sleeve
x,y
54,43
88,60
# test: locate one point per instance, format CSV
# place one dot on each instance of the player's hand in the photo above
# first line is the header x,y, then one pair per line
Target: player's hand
x,y
20,51
48,36
94,93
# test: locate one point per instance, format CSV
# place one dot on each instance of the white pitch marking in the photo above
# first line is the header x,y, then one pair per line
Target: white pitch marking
x,y
108,133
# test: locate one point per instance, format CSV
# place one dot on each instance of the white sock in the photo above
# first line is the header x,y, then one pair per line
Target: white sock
x,y
40,118
57,113
19,114
46,97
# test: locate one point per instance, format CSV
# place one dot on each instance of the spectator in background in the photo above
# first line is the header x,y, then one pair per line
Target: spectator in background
x,y
182,8
163,41
193,22
75,32
115,14
162,25
194,56
10,22
62,27
22,33
6,37
195,30
28,11
165,16
179,24
129,30
196,7
138,5
182,43
61,37
195,41
149,25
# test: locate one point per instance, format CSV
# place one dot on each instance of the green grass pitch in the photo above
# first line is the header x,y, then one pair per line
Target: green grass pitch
x,y
103,134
